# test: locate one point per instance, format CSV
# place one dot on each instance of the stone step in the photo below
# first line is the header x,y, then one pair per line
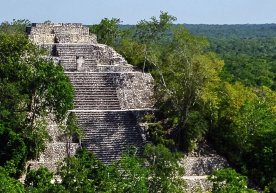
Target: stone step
x,y
92,80
103,128
97,101
95,88
89,74
197,184
110,141
99,97
120,129
102,134
108,134
105,119
200,166
97,107
99,94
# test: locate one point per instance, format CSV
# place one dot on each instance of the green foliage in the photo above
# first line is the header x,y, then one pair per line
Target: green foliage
x,y
130,173
133,51
165,171
245,130
228,180
9,184
72,130
39,180
148,32
158,172
249,55
31,87
12,146
156,133
195,130
271,187
107,31
42,181
250,70
235,31
240,115
16,26
146,39
186,78
82,173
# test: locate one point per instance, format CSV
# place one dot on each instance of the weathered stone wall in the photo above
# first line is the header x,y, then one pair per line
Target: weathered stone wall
x,y
60,33
92,55
200,163
56,150
135,90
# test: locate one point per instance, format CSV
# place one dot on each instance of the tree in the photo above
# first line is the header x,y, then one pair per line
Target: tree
x,y
9,184
16,26
165,171
245,130
31,88
39,181
186,76
185,72
107,31
13,147
83,173
131,174
148,32
145,39
228,180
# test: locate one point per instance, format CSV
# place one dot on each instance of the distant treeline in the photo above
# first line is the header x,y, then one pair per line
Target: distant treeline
x,y
229,31
233,31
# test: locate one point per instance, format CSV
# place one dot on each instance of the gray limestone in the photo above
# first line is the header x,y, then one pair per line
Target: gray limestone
x,y
198,165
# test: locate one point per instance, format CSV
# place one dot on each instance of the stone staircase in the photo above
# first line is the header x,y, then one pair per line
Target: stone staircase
x,y
108,130
94,91
198,165
93,55
109,133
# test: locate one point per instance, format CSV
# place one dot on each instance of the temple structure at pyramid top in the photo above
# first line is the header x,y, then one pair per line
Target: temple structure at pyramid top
x,y
47,33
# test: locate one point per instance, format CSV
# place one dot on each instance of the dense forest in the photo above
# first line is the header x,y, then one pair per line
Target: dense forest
x,y
249,58
212,82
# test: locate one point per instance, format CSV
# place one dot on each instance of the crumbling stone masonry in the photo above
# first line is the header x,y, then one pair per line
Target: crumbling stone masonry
x,y
198,165
110,99
109,93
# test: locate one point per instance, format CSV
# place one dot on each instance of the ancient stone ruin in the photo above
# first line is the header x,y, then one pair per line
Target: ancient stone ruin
x,y
200,163
110,95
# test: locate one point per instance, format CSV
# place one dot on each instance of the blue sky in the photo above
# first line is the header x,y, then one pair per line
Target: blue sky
x,y
132,11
